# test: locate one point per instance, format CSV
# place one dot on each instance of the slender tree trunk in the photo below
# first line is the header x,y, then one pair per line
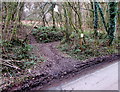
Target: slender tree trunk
x,y
95,19
66,26
53,16
102,16
43,20
79,17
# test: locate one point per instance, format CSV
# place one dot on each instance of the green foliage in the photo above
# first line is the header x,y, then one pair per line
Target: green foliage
x,y
92,47
22,52
28,64
64,47
47,34
18,51
15,49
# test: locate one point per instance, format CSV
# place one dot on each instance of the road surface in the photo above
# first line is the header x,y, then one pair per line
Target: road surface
x,y
103,79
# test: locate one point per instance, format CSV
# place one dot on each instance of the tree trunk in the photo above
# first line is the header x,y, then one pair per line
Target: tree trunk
x,y
112,21
102,16
95,19
53,16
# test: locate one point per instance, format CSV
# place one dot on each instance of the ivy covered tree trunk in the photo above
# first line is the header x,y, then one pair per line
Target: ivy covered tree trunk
x,y
95,19
112,21
119,19
92,14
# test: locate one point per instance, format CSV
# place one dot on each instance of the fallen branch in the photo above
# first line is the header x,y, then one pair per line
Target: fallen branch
x,y
13,66
8,63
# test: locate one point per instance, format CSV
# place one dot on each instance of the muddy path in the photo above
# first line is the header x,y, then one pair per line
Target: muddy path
x,y
105,78
58,67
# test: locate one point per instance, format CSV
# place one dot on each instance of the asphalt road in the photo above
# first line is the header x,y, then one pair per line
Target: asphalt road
x,y
102,79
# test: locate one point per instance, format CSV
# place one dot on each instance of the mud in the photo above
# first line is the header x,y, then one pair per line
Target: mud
x,y
57,67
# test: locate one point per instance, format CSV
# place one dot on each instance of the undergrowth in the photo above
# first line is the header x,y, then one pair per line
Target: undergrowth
x,y
91,47
47,34
15,53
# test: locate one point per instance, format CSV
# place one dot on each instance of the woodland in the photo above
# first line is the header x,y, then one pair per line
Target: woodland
x,y
39,38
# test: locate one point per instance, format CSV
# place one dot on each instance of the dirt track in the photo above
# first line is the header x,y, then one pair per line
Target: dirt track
x,y
57,67
102,79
